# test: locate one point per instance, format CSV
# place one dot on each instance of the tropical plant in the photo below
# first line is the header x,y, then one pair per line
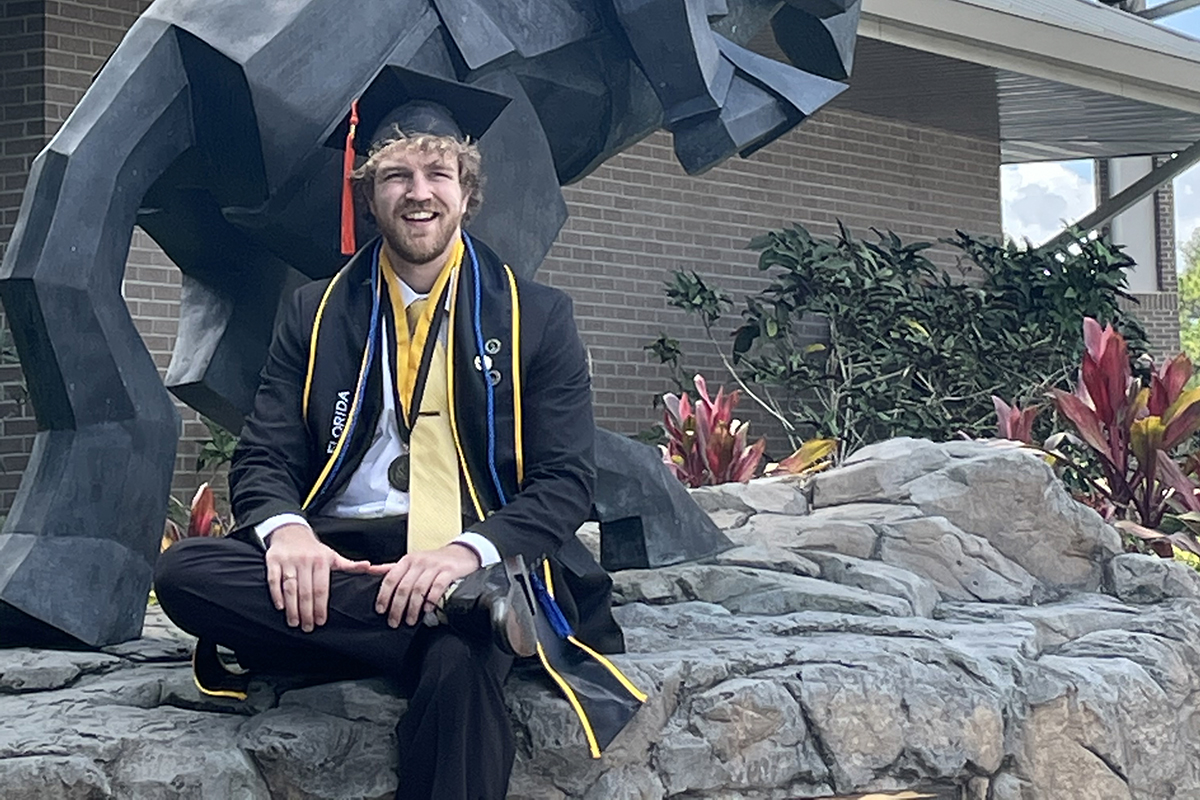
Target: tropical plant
x,y
203,518
706,445
1189,298
910,350
1014,422
217,449
810,457
668,353
1132,428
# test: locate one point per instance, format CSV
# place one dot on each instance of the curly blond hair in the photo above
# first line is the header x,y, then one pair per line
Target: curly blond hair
x,y
470,175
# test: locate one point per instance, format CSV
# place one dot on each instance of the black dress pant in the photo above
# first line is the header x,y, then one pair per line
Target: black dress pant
x,y
455,739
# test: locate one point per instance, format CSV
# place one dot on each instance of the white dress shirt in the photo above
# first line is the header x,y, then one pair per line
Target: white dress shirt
x,y
368,494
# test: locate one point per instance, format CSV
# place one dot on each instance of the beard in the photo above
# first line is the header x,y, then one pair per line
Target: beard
x,y
424,246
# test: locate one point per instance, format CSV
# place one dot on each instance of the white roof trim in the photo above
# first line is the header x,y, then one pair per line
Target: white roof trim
x,y
1075,42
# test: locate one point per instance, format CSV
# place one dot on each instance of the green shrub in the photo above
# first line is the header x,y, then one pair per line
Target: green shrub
x,y
912,351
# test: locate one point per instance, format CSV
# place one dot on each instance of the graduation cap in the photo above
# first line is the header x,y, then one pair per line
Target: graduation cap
x,y
403,101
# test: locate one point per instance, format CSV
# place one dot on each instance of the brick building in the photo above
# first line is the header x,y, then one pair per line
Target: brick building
x,y
915,146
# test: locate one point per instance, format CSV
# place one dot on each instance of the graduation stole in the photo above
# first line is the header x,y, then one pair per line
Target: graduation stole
x,y
482,371
483,352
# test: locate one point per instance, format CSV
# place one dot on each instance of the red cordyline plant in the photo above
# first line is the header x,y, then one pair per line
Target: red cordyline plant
x,y
1014,422
706,445
203,519
1133,428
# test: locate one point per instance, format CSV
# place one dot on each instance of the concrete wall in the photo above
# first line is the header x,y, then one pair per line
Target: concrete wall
x,y
1157,305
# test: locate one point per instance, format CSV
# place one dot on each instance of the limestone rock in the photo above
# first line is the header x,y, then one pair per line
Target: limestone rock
x,y
589,534
1011,498
776,495
874,576
813,532
31,669
1137,578
727,519
747,705
992,490
136,747
878,711
153,649
963,566
878,473
1055,623
374,701
777,559
752,591
53,777
814,659
305,753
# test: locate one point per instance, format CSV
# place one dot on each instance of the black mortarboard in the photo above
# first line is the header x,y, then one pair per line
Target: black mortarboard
x,y
414,103
420,103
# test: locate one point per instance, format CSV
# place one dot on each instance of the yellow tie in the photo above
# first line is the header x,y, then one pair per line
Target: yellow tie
x,y
435,506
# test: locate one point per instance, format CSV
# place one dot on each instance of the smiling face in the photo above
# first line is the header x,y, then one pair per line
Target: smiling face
x,y
418,202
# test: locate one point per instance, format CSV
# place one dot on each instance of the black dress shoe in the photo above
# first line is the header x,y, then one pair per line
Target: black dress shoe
x,y
495,602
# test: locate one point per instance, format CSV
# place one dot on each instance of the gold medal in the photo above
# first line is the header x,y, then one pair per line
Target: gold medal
x,y
398,472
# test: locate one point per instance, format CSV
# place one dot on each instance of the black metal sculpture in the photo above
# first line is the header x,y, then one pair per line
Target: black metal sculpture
x,y
206,127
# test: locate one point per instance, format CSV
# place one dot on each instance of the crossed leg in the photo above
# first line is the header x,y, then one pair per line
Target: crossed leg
x,y
455,740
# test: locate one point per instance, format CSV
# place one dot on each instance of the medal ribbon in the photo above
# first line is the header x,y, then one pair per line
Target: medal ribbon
x,y
414,351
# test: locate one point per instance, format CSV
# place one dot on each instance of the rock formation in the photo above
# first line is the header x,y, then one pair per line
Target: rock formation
x,y
935,615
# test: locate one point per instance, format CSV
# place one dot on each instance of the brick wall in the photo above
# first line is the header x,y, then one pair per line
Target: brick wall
x,y
639,217
1160,313
22,134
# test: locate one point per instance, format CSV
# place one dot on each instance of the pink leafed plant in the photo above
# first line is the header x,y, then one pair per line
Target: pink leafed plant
x,y
203,519
706,445
1133,428
1014,422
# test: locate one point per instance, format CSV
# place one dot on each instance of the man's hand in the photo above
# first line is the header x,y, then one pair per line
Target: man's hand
x,y
298,567
418,581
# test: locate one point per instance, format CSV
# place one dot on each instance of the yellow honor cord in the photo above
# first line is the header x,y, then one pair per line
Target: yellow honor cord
x,y
312,342
518,422
409,349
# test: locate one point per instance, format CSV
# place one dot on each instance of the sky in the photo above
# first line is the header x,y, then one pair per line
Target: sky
x,y
1038,198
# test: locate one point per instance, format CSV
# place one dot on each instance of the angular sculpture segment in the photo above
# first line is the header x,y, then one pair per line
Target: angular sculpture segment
x,y
207,128
647,518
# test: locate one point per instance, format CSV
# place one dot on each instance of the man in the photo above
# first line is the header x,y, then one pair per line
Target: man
x,y
422,431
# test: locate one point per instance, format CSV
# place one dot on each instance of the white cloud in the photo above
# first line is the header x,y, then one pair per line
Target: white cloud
x,y
1038,200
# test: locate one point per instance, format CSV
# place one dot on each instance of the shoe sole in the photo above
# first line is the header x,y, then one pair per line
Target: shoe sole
x,y
516,619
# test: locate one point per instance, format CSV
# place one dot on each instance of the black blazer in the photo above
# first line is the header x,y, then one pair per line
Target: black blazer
x,y
282,451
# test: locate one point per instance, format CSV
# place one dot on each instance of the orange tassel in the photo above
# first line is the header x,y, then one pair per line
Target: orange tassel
x,y
348,242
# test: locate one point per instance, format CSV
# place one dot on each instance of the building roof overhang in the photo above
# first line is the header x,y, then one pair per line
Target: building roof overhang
x,y
1051,79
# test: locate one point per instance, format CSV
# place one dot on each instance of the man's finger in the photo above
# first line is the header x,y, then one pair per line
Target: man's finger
x,y
304,596
416,596
273,575
380,569
320,587
400,598
387,587
438,588
343,564
288,586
